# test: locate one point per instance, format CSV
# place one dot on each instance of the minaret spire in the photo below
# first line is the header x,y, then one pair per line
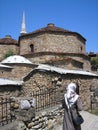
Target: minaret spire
x,y
23,26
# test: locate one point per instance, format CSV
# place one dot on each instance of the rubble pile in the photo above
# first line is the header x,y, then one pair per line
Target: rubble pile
x,y
47,120
27,119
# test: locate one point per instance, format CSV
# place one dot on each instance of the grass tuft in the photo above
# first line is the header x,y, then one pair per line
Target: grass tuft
x,y
95,112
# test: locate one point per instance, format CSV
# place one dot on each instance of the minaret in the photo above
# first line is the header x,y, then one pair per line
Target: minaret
x,y
23,26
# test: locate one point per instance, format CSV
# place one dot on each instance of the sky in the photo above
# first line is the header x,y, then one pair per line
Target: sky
x,y
79,16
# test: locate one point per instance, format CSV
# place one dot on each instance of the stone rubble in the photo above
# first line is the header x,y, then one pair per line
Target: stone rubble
x,y
28,119
46,120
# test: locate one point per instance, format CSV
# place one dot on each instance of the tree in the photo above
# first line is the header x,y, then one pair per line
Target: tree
x,y
94,61
8,53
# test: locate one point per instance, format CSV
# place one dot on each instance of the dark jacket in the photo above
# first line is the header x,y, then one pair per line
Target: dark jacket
x,y
67,120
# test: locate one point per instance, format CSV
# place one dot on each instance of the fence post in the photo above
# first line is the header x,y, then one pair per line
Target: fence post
x,y
5,111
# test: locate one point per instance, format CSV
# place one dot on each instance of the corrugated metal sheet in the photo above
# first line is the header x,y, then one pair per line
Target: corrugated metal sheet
x,y
5,66
4,81
64,71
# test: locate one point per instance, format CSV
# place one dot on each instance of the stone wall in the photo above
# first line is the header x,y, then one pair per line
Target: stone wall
x,y
47,119
49,47
18,72
22,108
52,42
43,80
49,80
55,57
4,49
10,90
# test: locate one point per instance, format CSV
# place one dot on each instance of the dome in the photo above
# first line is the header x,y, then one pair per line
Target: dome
x,y
53,29
16,59
8,40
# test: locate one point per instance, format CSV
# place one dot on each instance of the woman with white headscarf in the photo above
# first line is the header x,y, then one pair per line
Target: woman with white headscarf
x,y
71,101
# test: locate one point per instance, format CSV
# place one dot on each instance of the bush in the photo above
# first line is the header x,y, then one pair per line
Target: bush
x,y
94,61
95,112
8,53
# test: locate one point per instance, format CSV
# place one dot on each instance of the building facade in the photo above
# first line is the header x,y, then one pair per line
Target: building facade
x,y
51,45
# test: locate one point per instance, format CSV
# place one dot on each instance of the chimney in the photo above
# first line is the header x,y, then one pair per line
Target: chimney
x,y
50,25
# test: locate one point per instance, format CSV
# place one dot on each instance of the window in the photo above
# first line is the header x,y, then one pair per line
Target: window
x,y
81,48
32,48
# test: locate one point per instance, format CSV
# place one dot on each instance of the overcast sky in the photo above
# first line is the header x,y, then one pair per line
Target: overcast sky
x,y
79,16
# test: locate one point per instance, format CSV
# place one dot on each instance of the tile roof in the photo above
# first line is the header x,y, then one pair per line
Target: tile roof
x,y
51,69
4,81
52,28
64,71
8,40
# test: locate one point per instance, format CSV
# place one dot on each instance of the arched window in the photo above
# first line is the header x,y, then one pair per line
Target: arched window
x,y
32,48
81,48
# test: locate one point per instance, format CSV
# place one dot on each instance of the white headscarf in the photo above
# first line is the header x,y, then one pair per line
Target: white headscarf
x,y
71,96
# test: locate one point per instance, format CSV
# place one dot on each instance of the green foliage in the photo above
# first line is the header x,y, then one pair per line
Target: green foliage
x,y
94,61
95,112
8,53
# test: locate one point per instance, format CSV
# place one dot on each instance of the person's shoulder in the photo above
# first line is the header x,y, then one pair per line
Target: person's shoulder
x,y
63,103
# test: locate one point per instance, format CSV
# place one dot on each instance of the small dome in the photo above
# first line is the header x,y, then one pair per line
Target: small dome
x,y
16,59
8,40
54,29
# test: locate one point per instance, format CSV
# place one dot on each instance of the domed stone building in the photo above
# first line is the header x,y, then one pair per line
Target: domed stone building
x,y
8,45
20,67
55,46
